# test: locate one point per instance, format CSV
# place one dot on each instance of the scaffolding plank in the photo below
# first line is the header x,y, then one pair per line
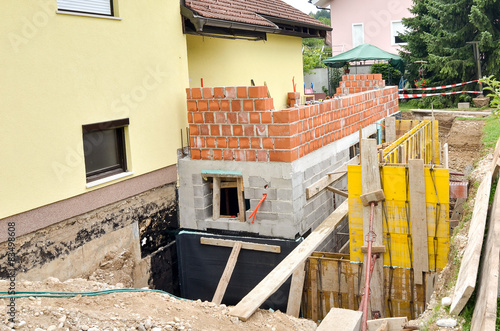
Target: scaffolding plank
x,y
337,174
467,275
244,245
418,219
226,275
296,290
370,175
271,283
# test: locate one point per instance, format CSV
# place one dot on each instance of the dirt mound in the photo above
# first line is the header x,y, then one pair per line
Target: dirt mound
x,y
131,311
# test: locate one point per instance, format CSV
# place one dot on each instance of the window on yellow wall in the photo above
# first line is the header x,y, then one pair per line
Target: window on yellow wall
x,y
98,7
104,149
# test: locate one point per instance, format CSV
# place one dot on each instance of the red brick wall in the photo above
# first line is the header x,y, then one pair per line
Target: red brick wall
x,y
359,83
239,123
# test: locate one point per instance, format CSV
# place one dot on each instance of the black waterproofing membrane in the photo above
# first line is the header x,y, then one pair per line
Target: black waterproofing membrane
x,y
201,267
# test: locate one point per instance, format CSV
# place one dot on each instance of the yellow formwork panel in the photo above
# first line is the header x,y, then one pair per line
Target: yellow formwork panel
x,y
395,185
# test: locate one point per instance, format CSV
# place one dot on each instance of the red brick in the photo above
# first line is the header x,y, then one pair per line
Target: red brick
x,y
202,105
241,92
226,130
267,143
191,106
264,104
232,118
190,118
219,93
193,130
195,154
209,117
231,92
214,130
254,117
280,156
217,154
214,105
249,130
211,142
243,118
233,142
256,92
236,105
237,130
261,130
207,93
255,143
196,93
266,117
228,155
239,155
205,154
251,155
244,143
225,105
198,118
220,117
262,156
248,105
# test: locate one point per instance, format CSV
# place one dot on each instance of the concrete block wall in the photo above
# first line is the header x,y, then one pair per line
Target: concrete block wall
x,y
239,123
351,84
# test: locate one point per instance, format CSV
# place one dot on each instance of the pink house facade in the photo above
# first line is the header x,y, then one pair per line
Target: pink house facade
x,y
375,22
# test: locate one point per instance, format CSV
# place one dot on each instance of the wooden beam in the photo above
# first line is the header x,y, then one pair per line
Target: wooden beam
x,y
226,275
467,275
296,290
244,244
390,129
370,174
339,319
271,283
418,219
337,191
330,179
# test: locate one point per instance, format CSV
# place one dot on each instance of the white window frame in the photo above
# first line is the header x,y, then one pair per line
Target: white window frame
x,y
353,36
84,8
394,34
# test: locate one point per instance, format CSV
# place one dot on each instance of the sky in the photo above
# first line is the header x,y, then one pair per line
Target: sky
x,y
302,5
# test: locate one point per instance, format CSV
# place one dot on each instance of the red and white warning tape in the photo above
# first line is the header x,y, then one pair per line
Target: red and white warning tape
x,y
411,96
437,87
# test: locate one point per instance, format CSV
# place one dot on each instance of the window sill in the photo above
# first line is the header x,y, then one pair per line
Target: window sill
x,y
109,179
88,15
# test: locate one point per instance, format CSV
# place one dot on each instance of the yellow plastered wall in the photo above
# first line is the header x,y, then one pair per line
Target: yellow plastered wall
x,y
223,62
394,183
62,71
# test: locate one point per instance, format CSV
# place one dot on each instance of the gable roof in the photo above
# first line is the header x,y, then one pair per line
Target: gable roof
x,y
272,16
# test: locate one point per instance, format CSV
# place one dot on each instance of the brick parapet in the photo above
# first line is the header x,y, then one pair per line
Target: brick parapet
x,y
240,124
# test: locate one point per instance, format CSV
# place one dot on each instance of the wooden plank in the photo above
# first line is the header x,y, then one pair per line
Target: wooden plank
x,y
370,175
392,324
330,179
485,310
226,275
337,191
339,319
271,283
467,275
418,219
244,244
241,200
296,290
375,196
216,199
390,129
